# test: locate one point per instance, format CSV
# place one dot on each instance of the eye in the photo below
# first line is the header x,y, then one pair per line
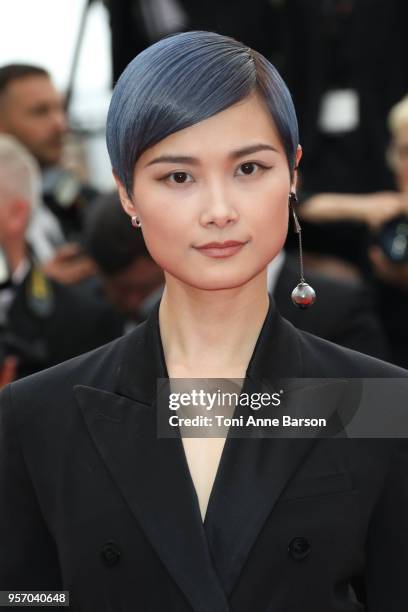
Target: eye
x,y
250,168
178,177
40,111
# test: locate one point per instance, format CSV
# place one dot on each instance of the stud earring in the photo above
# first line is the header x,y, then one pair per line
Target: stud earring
x,y
136,221
303,294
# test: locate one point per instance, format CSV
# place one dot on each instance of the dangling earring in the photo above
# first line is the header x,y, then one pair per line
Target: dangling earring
x,y
303,294
136,221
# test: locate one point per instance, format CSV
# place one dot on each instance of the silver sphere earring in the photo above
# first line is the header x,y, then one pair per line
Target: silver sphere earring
x,y
136,221
303,294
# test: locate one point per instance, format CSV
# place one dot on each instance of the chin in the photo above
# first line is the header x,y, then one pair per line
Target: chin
x,y
224,282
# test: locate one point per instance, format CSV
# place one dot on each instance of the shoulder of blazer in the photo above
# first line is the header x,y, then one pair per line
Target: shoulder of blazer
x,y
98,368
322,358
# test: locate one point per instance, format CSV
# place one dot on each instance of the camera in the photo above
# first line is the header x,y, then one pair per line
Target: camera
x,y
393,239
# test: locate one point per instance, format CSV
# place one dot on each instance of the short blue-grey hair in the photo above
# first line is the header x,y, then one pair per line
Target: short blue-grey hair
x,y
182,80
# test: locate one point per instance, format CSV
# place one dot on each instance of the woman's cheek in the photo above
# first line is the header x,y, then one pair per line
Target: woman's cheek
x,y
276,212
277,222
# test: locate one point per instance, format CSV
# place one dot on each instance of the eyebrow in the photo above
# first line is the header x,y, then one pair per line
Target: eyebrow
x,y
187,159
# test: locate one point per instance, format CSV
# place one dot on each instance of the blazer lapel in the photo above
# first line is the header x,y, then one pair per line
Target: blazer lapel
x,y
152,473
253,473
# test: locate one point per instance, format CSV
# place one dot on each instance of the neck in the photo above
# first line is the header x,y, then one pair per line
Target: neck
x,y
211,332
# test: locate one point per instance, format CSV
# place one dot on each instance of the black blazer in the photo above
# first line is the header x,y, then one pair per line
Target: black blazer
x,y
93,502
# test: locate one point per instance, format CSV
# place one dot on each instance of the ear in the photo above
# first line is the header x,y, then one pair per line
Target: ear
x,y
126,201
4,124
298,157
20,212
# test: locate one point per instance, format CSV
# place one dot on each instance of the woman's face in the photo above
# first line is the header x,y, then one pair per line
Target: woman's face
x,y
223,179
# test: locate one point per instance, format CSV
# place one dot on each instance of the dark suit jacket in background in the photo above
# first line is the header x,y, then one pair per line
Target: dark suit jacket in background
x,y
92,501
343,312
378,52
60,323
256,26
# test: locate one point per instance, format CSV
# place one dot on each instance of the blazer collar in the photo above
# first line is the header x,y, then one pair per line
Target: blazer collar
x,y
276,355
152,473
142,361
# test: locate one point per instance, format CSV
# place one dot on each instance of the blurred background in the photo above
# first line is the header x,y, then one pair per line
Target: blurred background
x,y
48,33
69,259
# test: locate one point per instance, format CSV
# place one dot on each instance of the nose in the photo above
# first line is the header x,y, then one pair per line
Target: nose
x,y
60,120
218,209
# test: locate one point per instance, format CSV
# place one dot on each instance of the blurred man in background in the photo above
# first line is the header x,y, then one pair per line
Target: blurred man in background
x,y
41,321
344,311
385,216
132,281
33,112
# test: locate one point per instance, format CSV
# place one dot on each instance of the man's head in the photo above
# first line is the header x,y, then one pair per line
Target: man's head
x,y
128,272
19,190
32,111
398,150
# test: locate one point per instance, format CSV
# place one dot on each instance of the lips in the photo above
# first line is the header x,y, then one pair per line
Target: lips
x,y
221,249
220,245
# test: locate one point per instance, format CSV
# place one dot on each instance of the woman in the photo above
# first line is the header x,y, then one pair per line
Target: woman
x,y
204,147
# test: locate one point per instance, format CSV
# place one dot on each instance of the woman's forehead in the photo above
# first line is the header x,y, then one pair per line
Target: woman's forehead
x,y
242,125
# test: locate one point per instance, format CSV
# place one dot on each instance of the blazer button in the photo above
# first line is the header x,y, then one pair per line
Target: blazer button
x,y
110,553
299,548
